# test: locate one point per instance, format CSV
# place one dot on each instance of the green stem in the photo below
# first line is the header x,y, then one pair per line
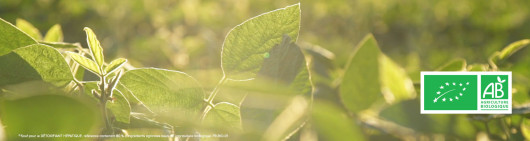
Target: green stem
x,y
211,97
216,89
103,102
79,85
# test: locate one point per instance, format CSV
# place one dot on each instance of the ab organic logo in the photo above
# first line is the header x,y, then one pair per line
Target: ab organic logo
x,y
466,93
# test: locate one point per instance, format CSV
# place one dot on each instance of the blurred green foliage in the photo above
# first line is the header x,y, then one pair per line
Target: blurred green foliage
x,y
170,34
418,35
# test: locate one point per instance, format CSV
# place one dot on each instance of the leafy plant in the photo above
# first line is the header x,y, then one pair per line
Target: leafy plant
x,y
134,98
270,87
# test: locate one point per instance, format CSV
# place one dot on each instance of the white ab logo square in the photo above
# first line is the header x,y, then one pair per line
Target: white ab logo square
x,y
494,89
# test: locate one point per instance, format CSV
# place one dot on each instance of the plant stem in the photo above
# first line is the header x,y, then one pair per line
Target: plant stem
x,y
103,102
79,85
216,89
211,97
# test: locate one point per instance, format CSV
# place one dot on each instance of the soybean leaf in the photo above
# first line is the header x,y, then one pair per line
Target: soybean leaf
x,y
12,38
54,34
395,83
49,114
360,86
334,124
286,64
95,47
85,62
512,48
454,65
246,45
173,95
136,105
285,67
119,106
224,116
60,44
34,62
114,65
29,29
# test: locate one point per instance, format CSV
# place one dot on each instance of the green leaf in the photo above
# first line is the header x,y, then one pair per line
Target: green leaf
x,y
54,34
12,38
85,62
395,83
48,114
174,96
60,44
224,116
512,48
119,106
454,65
334,124
114,65
286,65
284,69
360,86
29,29
246,45
34,62
95,48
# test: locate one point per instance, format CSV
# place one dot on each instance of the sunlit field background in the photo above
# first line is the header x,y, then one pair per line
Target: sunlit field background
x,y
418,35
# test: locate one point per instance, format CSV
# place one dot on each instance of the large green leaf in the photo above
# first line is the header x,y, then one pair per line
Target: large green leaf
x,y
48,114
224,116
12,38
248,44
286,65
173,95
55,34
95,47
283,68
29,29
395,83
360,86
35,62
334,124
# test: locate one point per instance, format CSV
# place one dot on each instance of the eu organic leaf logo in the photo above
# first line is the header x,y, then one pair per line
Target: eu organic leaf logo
x,y
451,91
499,79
